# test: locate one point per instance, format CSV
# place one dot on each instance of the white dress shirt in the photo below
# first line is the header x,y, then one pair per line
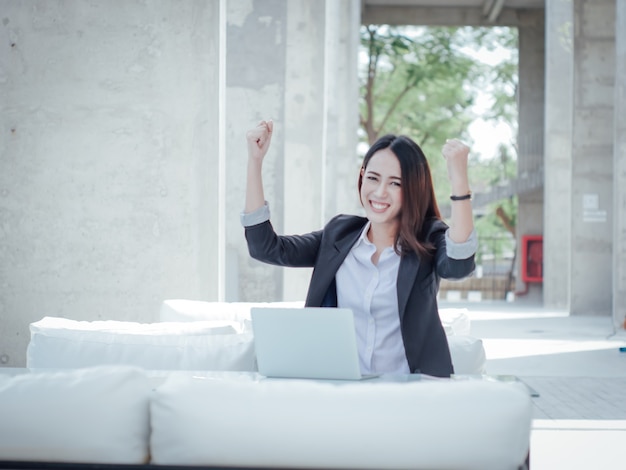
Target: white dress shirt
x,y
369,290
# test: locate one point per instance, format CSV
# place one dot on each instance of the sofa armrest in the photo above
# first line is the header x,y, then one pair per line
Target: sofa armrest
x,y
97,415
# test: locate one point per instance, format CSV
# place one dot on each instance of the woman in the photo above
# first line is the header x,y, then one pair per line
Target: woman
x,y
385,266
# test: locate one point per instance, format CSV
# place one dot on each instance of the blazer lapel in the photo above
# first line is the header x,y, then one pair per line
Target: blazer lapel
x,y
407,273
333,259
327,265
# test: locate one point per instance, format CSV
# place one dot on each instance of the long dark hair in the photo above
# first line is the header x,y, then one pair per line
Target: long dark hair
x,y
418,194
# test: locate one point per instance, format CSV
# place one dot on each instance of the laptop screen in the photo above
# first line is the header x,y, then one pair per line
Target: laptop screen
x,y
317,343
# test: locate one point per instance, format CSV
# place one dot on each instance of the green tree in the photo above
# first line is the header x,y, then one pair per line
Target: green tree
x,y
496,223
499,218
414,82
424,82
500,80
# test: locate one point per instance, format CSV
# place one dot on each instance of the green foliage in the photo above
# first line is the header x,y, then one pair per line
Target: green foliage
x,y
496,222
494,171
404,73
424,82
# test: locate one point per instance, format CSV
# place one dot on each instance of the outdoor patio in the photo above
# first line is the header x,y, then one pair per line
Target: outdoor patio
x,y
575,366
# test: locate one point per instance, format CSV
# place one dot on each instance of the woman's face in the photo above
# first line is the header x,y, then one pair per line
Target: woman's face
x,y
381,190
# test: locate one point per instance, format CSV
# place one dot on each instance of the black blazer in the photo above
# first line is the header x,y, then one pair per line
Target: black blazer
x,y
424,338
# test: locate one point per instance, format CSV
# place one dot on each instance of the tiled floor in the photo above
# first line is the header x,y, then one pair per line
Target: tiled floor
x,y
578,398
575,366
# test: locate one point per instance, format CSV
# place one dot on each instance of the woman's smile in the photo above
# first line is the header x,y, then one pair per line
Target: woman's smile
x,y
379,206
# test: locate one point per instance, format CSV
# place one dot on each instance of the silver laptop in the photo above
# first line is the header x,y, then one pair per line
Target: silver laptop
x,y
311,343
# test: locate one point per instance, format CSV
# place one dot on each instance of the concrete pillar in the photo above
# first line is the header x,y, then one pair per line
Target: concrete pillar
x,y
342,163
304,129
321,102
107,190
531,32
619,170
592,158
295,62
559,92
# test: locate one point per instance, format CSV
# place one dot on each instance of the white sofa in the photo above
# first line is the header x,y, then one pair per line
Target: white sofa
x,y
184,392
194,335
127,416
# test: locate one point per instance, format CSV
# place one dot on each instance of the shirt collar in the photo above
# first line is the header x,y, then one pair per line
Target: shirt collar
x,y
363,237
364,240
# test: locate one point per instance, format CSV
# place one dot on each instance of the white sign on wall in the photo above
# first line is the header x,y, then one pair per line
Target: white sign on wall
x,y
591,209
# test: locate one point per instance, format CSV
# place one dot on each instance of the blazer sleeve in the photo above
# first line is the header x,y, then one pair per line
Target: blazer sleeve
x,y
299,251
446,267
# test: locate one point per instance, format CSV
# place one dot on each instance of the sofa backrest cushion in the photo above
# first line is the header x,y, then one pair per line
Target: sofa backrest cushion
x,y
468,355
225,342
455,321
98,415
425,424
200,345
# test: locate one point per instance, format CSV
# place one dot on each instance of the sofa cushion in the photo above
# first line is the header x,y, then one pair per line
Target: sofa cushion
x,y
202,345
468,355
98,415
426,424
455,321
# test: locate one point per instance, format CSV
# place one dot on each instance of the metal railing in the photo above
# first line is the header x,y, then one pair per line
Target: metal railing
x,y
494,277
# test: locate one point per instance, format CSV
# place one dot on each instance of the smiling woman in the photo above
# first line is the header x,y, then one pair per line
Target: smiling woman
x,y
386,266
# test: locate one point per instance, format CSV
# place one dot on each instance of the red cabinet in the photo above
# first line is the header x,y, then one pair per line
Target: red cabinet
x,y
532,258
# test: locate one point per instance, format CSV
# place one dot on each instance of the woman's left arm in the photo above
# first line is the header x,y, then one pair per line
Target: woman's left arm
x,y
452,260
461,224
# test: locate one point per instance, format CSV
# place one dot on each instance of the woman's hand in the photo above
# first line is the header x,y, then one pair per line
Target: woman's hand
x,y
456,154
259,140
461,221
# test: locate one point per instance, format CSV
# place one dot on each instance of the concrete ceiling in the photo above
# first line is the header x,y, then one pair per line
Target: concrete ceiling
x,y
450,12
459,3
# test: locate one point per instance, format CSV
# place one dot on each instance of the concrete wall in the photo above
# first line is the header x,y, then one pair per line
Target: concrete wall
x,y
123,149
583,212
108,141
619,170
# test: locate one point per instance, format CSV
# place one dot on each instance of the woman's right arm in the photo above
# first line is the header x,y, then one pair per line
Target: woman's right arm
x,y
259,140
263,243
